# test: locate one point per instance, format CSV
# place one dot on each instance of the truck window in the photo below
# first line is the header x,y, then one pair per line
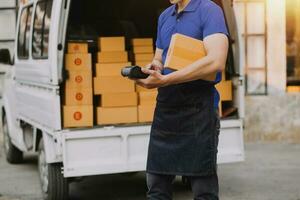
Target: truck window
x,y
40,36
24,33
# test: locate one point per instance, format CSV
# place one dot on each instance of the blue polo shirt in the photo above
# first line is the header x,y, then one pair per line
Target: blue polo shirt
x,y
199,19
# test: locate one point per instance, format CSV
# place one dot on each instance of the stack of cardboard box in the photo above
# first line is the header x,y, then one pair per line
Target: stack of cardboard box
x,y
143,51
118,97
225,91
147,102
78,108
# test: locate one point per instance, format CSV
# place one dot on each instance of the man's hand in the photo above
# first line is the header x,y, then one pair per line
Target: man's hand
x,y
155,79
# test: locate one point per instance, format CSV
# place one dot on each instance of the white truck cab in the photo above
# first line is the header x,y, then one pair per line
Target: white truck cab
x,y
33,88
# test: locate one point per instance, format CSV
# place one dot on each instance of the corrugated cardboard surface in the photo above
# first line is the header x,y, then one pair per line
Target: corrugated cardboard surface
x,y
121,115
112,84
146,113
110,69
113,57
124,99
78,96
79,79
111,44
77,47
78,61
78,116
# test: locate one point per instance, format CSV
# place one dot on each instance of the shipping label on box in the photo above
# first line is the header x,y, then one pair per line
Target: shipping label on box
x,y
123,99
78,96
110,69
225,90
143,57
147,98
146,113
111,44
78,62
113,57
76,47
142,42
112,84
122,115
78,116
79,79
184,51
143,49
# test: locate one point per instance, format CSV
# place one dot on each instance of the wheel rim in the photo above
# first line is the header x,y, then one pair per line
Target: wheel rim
x,y
43,169
5,136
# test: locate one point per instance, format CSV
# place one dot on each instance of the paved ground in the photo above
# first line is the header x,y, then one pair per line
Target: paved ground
x,y
271,172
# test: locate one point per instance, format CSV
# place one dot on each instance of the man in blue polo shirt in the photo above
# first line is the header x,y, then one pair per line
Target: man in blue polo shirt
x,y
185,128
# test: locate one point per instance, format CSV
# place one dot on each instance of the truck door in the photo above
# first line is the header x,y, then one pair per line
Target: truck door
x,y
37,63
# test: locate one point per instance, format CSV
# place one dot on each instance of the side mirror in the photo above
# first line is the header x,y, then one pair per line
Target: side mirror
x,y
5,57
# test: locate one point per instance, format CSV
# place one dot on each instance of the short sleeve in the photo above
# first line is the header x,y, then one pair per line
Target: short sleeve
x,y
213,21
158,37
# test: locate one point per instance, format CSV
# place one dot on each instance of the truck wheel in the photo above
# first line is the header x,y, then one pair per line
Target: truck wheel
x,y
13,154
54,185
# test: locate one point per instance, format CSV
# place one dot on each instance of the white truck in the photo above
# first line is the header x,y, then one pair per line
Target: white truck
x,y
33,87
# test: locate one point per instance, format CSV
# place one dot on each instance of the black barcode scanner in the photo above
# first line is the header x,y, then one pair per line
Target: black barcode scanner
x,y
134,72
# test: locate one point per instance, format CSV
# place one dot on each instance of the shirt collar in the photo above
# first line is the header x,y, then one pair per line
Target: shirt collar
x,y
191,7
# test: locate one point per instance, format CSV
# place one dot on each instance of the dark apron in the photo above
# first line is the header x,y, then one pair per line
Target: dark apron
x,y
184,133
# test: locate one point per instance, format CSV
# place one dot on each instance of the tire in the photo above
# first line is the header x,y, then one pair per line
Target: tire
x,y
54,185
12,153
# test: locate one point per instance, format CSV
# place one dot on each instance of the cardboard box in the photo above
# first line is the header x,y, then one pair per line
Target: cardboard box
x,y
78,61
78,116
143,57
184,51
78,96
142,89
110,69
147,98
119,99
143,49
79,79
113,57
122,115
146,113
142,63
76,47
142,42
225,90
111,44
112,84
293,89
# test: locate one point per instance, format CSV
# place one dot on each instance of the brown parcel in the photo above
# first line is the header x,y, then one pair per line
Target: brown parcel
x,y
120,115
142,42
142,89
147,98
77,47
78,116
184,51
110,69
78,61
225,90
146,113
78,96
143,57
112,84
119,99
113,57
143,49
111,44
79,79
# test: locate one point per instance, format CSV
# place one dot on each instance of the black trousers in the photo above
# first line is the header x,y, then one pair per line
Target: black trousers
x,y
203,187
